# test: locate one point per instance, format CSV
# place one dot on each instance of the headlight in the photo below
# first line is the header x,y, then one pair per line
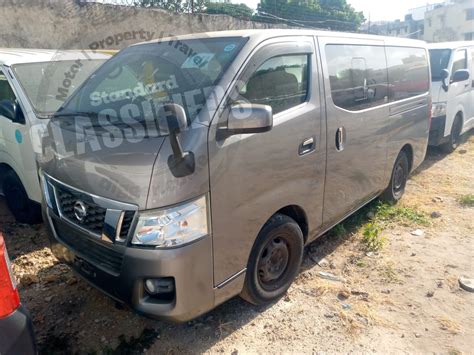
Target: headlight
x,y
173,226
438,109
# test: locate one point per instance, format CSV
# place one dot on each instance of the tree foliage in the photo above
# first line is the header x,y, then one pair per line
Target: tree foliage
x,y
236,10
331,14
178,6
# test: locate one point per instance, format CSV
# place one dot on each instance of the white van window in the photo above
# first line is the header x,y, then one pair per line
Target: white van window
x,y
6,92
280,82
49,84
459,61
357,75
408,72
439,60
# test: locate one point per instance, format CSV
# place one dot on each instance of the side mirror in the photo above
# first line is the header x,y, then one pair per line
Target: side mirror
x,y
12,111
247,118
460,75
180,163
444,79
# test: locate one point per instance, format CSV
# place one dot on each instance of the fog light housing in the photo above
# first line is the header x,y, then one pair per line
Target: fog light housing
x,y
162,288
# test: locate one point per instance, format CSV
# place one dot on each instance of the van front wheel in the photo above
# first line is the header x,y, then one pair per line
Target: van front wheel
x,y
454,137
23,209
398,180
274,261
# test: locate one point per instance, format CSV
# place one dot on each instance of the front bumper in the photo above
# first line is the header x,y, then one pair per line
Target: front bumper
x,y
437,128
16,334
121,271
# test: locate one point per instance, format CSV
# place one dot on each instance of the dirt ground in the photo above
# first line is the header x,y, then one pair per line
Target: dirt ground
x,y
402,298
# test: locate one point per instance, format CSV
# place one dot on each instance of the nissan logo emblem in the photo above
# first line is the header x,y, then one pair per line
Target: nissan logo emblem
x,y
80,211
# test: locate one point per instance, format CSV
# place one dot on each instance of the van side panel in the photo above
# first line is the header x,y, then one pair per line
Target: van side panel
x,y
356,107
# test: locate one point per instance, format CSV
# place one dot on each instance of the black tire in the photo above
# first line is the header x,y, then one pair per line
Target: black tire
x,y
454,137
23,209
274,261
398,179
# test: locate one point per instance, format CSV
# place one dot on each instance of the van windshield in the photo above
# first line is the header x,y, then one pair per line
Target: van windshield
x,y
439,60
48,84
131,87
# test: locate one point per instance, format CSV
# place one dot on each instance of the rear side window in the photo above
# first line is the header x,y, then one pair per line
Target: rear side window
x,y
357,75
280,82
408,72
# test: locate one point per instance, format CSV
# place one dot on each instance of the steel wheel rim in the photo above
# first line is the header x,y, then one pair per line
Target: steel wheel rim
x,y
273,263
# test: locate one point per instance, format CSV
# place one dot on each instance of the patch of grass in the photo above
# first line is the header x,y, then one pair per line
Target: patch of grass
x,y
389,274
467,200
406,215
339,230
372,237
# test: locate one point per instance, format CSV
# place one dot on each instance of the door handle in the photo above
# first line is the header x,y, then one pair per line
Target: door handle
x,y
340,139
308,145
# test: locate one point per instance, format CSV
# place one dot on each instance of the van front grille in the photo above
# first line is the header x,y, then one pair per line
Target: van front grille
x,y
94,220
98,254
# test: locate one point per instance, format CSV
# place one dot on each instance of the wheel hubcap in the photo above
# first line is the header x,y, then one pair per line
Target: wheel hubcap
x,y
273,261
398,178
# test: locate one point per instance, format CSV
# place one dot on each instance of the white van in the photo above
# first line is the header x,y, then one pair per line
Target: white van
x,y
33,85
452,68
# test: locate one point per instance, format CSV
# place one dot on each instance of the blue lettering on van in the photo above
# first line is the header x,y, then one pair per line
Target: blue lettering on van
x,y
18,136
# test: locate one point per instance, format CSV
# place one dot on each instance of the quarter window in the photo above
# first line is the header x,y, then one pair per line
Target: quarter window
x,y
408,72
280,82
357,75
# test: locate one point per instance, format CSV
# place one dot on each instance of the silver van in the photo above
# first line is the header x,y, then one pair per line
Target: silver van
x,y
192,169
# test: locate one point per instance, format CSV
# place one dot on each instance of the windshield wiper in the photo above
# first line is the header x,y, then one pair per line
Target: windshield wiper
x,y
76,113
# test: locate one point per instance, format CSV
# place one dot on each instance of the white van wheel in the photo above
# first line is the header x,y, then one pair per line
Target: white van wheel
x,y
23,209
454,137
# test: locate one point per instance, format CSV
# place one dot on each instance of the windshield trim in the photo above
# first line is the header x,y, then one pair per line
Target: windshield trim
x,y
45,114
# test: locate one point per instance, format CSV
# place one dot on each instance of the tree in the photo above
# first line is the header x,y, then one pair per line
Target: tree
x,y
178,6
236,10
331,14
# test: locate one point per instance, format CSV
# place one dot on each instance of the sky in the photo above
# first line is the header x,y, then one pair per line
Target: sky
x,y
379,10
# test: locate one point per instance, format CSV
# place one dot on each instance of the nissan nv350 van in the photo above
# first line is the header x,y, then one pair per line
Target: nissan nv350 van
x,y
189,170
34,83
452,67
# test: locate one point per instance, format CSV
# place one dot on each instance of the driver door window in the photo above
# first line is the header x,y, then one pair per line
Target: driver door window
x,y
280,82
459,61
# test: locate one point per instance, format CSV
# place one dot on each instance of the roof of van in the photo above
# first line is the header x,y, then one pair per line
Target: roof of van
x,y
11,56
451,45
263,34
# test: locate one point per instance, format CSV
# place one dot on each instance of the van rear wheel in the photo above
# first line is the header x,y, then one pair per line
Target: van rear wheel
x,y
398,180
274,261
454,137
23,209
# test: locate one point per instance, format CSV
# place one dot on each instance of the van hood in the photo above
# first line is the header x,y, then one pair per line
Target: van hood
x,y
92,161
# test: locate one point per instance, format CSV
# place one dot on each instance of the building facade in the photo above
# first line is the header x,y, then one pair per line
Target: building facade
x,y
451,22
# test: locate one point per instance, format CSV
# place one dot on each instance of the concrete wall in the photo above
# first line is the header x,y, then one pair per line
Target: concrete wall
x,y
66,25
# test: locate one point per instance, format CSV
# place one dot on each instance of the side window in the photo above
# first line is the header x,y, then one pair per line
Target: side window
x,y
408,72
459,61
280,82
357,75
6,92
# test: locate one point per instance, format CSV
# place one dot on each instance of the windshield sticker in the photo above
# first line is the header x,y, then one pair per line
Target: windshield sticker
x,y
140,90
199,60
229,47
